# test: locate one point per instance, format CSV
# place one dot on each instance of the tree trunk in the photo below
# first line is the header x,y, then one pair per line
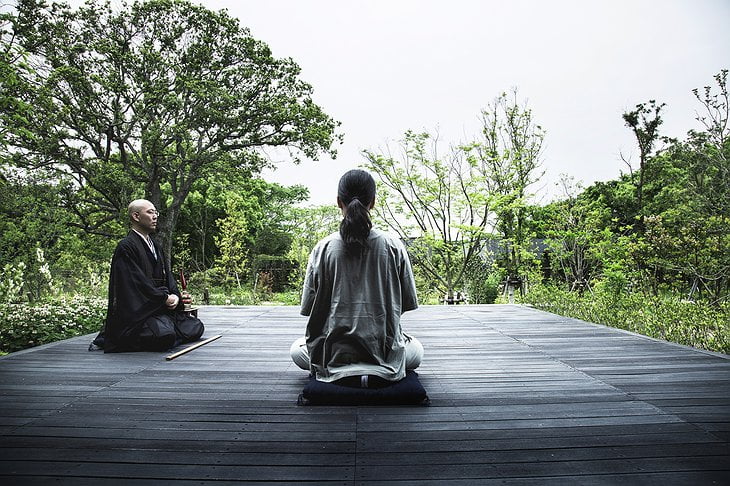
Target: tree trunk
x,y
167,221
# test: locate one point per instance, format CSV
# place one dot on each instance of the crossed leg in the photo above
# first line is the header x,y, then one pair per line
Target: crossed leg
x,y
414,353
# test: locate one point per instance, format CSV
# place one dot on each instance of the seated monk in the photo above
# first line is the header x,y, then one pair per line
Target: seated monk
x,y
145,310
358,283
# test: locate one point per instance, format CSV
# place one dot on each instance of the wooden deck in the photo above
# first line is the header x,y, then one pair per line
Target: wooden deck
x,y
519,396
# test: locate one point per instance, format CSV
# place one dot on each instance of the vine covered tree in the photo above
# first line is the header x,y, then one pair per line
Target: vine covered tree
x,y
148,98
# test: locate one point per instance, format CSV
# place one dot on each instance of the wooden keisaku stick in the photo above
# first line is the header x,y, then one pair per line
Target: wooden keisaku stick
x,y
194,346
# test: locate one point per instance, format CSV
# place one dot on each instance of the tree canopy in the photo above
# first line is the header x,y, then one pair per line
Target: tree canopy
x,y
449,204
164,99
437,202
145,100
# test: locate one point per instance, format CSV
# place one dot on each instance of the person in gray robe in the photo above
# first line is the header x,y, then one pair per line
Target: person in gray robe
x,y
358,283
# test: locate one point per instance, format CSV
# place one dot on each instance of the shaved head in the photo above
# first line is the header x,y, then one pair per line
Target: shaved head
x,y
137,206
142,216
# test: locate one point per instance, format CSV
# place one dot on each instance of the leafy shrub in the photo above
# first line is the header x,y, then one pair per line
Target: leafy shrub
x,y
665,317
220,296
292,297
483,290
25,325
278,270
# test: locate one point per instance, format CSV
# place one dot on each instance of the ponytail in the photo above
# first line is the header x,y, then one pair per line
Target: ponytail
x,y
355,226
356,193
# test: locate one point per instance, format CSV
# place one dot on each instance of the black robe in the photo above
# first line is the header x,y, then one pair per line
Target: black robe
x,y
139,285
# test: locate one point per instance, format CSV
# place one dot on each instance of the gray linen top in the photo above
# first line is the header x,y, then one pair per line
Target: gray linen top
x,y
354,304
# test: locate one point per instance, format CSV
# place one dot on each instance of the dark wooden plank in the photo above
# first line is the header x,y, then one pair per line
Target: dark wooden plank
x,y
519,396
583,479
401,448
539,469
153,456
123,481
538,455
174,472
147,443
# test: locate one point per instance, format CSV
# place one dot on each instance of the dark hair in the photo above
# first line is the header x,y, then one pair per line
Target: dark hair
x,y
356,192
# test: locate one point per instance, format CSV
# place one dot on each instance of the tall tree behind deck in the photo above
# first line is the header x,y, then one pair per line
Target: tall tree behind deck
x,y
448,204
148,99
509,156
644,121
440,203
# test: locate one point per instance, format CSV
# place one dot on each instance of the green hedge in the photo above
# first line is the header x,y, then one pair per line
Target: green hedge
x,y
25,325
694,324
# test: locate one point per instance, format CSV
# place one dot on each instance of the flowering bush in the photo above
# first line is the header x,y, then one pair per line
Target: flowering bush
x,y
11,282
666,317
25,325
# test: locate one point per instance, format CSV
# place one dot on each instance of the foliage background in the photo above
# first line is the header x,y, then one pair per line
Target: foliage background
x,y
695,324
85,126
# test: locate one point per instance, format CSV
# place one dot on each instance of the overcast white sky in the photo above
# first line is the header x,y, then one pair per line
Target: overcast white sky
x,y
384,66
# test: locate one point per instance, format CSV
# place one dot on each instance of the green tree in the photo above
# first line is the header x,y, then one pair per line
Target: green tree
x,y
33,219
194,246
149,98
438,203
575,229
644,121
308,225
509,159
707,153
674,237
254,234
234,237
688,235
14,69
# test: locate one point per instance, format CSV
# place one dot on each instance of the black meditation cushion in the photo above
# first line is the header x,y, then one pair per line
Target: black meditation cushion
x,y
408,391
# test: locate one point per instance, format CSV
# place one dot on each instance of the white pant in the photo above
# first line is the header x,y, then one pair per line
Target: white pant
x,y
414,353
